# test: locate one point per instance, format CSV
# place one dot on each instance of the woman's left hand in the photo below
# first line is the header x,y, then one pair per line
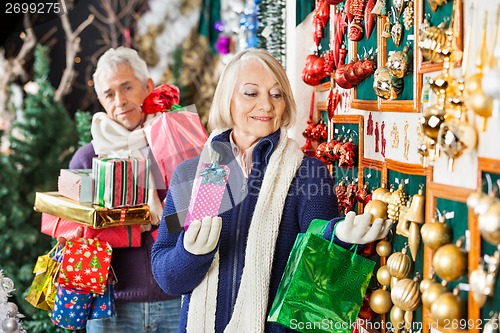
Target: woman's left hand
x,y
357,229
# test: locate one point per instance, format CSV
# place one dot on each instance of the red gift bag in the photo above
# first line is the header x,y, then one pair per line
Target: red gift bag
x,y
173,137
85,266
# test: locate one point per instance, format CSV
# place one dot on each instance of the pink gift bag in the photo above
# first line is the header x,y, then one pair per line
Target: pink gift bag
x,y
174,137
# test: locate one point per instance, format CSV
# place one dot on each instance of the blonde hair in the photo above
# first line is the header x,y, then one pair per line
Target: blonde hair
x,y
220,110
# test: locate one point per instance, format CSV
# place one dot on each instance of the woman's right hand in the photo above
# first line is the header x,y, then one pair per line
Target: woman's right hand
x,y
202,237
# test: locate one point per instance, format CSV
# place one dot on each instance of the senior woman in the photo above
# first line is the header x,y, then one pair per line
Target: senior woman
x,y
229,267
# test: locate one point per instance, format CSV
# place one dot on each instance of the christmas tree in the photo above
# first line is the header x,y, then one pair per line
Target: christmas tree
x,y
41,142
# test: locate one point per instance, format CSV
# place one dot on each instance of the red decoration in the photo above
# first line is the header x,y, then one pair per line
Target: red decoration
x,y
382,127
377,134
356,11
314,70
348,155
362,194
369,18
161,99
369,126
334,2
366,312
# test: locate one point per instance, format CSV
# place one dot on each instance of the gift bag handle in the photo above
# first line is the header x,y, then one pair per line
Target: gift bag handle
x,y
353,248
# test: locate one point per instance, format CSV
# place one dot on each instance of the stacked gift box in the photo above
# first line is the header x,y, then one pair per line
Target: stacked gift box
x,y
107,201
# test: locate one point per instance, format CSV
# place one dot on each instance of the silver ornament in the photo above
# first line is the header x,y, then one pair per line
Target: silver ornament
x,y
10,325
7,285
12,309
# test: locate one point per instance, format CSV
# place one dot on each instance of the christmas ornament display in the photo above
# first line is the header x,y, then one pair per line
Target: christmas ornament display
x,y
408,15
489,223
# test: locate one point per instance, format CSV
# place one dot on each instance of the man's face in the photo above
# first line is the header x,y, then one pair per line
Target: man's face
x,y
122,95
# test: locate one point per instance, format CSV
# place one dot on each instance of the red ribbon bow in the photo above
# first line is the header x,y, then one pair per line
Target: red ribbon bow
x,y
161,99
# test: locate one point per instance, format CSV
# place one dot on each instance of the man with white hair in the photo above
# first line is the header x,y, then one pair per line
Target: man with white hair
x,y
122,82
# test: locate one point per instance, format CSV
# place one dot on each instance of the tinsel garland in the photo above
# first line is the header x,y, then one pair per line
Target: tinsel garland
x,y
271,31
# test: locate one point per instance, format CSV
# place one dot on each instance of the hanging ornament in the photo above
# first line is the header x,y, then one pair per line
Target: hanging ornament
x,y
394,136
396,31
408,15
355,29
456,136
398,63
432,40
482,281
416,216
385,85
369,126
489,223
386,31
397,200
383,141
380,8
369,18
362,194
348,155
436,233
474,95
399,264
341,192
450,261
397,7
377,134
449,307
380,301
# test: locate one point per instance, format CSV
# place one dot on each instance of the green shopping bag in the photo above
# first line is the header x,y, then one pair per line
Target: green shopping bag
x,y
323,285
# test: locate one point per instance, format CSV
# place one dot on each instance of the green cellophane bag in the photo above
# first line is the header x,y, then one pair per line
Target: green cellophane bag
x,y
323,285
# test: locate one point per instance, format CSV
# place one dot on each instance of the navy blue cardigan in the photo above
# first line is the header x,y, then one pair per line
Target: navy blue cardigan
x,y
311,195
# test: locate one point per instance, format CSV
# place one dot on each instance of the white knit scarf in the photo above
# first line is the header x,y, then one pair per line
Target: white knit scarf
x,y
249,313
110,139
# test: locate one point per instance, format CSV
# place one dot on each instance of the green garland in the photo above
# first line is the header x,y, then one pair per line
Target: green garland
x,y
271,18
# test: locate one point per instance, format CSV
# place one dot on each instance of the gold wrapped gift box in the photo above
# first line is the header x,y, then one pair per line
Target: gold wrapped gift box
x,y
90,215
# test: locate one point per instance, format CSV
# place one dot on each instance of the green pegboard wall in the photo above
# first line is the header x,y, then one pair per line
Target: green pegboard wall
x,y
364,90
493,303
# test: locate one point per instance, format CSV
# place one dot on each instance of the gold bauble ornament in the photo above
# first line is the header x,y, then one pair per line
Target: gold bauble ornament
x,y
431,120
380,301
425,283
448,308
406,294
450,262
384,248
384,276
399,264
436,234
489,224
432,293
379,193
377,208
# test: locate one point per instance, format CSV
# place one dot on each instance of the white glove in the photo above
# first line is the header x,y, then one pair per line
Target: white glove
x,y
356,229
202,237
